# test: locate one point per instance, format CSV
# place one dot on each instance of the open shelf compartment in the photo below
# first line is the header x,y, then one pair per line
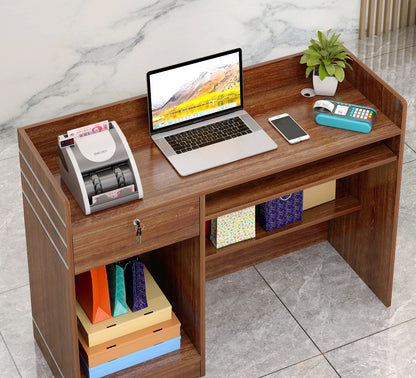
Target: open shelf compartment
x,y
292,180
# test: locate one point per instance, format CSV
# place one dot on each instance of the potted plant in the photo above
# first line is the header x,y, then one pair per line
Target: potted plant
x,y
327,59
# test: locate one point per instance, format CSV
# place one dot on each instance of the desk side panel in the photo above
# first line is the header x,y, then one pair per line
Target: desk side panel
x,y
177,270
51,286
366,239
50,262
384,97
381,204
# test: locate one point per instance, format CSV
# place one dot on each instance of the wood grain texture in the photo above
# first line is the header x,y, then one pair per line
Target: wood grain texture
x,y
376,90
177,270
51,298
32,186
342,205
366,239
116,240
33,159
283,183
234,259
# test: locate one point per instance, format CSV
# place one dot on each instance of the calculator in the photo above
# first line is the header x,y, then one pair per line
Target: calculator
x,y
344,116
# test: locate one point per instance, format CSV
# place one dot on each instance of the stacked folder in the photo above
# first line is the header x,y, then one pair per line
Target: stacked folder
x,y
119,342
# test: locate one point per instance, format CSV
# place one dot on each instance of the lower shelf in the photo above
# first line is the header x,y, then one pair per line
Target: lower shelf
x,y
185,362
238,256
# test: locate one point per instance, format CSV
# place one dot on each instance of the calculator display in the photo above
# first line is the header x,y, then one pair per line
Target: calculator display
x,y
341,110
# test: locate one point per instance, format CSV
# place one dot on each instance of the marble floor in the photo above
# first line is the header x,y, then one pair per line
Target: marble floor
x,y
306,314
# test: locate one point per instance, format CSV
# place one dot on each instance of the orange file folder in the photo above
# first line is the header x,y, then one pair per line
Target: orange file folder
x,y
130,343
92,294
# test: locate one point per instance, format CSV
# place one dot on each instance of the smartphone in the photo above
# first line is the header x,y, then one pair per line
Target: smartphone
x,y
289,128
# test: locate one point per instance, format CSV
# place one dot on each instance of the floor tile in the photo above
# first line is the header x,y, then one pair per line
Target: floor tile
x,y
410,137
312,368
249,333
13,261
16,328
8,368
8,143
330,301
390,353
409,154
325,295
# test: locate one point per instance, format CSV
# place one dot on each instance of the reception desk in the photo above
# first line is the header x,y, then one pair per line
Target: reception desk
x,y
361,222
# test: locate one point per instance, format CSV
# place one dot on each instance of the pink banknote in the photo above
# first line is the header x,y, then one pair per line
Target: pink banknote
x,y
88,130
112,193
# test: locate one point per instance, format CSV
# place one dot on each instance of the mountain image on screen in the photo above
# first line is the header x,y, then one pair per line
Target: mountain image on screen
x,y
209,91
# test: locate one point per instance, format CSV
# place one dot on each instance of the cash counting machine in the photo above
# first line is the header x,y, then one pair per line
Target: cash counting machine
x,y
99,168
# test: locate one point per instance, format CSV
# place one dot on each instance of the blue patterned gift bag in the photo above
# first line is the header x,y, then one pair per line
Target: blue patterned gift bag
x,y
135,284
280,211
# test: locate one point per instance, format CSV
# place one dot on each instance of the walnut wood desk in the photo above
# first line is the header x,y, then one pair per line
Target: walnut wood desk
x,y
361,223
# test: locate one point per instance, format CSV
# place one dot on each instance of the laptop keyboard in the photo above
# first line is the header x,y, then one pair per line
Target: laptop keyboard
x,y
206,135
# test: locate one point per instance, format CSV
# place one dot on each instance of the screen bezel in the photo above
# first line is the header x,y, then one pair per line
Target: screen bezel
x,y
202,118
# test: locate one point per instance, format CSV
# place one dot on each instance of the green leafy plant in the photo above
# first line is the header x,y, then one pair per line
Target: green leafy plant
x,y
328,54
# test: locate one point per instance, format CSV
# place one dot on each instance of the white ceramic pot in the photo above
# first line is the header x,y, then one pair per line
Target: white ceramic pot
x,y
326,87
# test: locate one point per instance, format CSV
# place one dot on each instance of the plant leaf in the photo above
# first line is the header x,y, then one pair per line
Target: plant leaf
x,y
312,62
309,70
322,38
315,45
304,59
348,65
340,63
316,55
330,69
339,73
334,39
322,72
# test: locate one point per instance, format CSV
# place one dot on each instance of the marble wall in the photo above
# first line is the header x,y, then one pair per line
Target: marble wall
x,y
63,56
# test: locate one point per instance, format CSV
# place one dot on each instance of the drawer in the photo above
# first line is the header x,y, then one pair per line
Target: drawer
x,y
114,241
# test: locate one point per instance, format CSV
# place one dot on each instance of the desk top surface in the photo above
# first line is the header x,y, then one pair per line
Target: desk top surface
x,y
270,89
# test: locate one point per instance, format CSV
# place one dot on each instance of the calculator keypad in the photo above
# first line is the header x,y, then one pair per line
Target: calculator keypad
x,y
361,113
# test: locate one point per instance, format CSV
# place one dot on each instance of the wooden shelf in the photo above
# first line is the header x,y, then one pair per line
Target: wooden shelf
x,y
186,360
344,204
264,189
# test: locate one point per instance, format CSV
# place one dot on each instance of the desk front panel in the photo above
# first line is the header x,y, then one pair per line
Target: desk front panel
x,y
116,239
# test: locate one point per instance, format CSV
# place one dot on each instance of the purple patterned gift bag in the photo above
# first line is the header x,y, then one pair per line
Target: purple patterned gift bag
x,y
280,211
135,284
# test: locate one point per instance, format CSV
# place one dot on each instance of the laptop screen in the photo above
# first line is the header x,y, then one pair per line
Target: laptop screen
x,y
192,91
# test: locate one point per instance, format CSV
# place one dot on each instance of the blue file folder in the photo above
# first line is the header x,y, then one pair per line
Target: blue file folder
x,y
131,359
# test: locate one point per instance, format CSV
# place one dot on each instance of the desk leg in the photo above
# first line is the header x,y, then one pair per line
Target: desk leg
x,y
367,239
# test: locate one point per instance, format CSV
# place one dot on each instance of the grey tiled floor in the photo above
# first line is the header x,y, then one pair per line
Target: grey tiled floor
x,y
306,314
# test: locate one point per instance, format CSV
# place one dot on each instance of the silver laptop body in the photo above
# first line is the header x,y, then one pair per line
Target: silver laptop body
x,y
197,93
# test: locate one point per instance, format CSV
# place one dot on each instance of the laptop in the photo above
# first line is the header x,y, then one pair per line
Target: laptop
x,y
196,114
